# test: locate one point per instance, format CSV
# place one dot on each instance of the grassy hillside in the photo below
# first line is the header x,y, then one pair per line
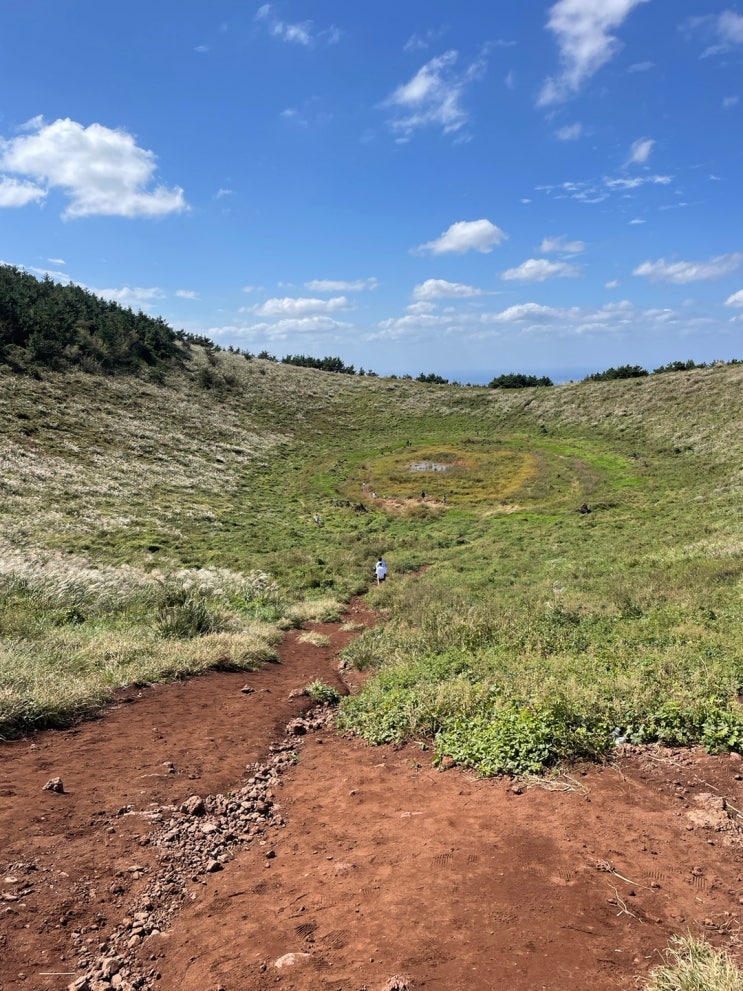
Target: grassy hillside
x,y
148,526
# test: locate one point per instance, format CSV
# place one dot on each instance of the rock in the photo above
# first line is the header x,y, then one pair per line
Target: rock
x,y
247,690
395,984
290,960
54,784
296,727
447,763
193,806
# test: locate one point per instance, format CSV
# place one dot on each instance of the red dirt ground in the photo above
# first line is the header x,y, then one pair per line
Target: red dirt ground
x,y
387,874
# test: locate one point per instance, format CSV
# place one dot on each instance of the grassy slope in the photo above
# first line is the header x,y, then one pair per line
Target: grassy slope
x,y
533,632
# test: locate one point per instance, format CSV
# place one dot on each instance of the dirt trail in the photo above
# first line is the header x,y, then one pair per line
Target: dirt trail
x,y
370,864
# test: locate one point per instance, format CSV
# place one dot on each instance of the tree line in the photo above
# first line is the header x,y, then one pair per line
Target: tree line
x,y
46,324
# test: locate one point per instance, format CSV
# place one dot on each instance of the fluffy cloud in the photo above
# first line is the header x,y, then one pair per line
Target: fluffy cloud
x,y
465,235
736,299
640,151
441,289
297,307
186,294
562,245
682,272
582,29
16,192
433,97
539,269
337,285
102,171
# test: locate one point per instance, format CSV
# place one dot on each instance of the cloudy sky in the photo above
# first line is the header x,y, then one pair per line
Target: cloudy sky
x,y
468,188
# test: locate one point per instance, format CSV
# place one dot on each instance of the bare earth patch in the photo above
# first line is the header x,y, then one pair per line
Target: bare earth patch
x,y
190,849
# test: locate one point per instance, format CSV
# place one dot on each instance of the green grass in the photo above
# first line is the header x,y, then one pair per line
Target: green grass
x,y
518,633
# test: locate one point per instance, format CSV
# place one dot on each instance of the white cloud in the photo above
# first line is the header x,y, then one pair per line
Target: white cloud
x,y
57,261
132,296
736,299
102,171
338,285
640,151
682,272
637,220
421,307
281,329
598,190
640,67
418,42
186,294
17,192
570,132
441,289
463,236
522,311
433,97
730,101
539,269
222,192
300,307
637,181
730,26
612,284
300,33
582,28
561,244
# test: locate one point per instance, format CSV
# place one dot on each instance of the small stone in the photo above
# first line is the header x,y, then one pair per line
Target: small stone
x,y
54,784
447,763
290,960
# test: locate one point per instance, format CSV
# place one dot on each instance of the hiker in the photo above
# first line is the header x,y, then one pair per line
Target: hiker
x,y
380,570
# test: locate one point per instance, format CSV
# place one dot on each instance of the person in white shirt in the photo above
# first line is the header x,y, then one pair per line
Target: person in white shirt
x,y
380,570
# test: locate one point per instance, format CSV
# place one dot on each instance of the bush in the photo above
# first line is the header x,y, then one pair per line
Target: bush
x,y
623,372
320,692
518,381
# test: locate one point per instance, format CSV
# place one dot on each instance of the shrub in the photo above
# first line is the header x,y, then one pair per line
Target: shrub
x,y
323,693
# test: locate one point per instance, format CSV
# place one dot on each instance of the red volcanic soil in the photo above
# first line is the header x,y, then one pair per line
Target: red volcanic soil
x,y
198,845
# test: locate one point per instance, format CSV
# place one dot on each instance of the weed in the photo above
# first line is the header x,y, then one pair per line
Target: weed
x,y
693,965
323,693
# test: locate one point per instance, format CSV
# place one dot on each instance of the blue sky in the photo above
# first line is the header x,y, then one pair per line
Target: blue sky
x,y
468,188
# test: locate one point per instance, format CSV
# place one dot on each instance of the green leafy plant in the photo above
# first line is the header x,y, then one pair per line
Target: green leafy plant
x,y
320,691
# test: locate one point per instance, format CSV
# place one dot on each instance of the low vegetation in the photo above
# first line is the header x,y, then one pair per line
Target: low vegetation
x,y
565,562
693,965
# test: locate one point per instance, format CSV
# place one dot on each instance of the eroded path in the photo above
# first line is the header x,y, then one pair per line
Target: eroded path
x,y
362,864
